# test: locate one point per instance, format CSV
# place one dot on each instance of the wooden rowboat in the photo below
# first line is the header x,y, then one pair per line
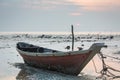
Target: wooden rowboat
x,y
71,62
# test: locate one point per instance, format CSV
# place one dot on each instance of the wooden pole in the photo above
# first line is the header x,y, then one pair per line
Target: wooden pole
x,y
72,37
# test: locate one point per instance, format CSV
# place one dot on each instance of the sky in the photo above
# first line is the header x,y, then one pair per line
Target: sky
x,y
59,15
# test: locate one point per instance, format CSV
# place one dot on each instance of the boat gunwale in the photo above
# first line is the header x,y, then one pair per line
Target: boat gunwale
x,y
53,54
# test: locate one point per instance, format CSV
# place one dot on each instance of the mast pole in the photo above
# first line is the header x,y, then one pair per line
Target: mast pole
x,y
72,30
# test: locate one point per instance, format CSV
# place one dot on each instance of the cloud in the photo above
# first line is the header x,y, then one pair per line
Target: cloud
x,y
75,14
92,5
80,5
74,7
43,4
96,5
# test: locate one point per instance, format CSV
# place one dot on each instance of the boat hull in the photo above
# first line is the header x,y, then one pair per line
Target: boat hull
x,y
69,64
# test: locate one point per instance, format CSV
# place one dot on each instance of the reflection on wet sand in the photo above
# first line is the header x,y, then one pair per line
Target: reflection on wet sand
x,y
28,73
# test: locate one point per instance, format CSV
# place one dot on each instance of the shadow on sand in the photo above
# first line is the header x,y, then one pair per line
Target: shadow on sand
x,y
31,73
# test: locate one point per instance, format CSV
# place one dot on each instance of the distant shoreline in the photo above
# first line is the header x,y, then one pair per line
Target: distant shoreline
x,y
63,33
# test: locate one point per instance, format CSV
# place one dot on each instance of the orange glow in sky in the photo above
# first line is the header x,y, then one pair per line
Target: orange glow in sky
x,y
96,4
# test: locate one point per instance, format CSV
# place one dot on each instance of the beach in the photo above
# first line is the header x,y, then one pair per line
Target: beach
x,y
12,66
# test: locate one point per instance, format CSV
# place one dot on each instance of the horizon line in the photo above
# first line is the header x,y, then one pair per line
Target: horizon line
x,y
27,32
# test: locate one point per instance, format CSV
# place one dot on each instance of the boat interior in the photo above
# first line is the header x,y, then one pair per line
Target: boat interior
x,y
33,48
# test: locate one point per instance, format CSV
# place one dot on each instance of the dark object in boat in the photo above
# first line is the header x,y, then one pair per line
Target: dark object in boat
x,y
67,47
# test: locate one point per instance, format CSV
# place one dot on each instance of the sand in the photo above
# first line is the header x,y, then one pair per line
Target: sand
x,y
12,66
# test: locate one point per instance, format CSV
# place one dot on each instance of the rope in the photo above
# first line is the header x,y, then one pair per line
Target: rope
x,y
106,68
111,57
95,66
113,69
